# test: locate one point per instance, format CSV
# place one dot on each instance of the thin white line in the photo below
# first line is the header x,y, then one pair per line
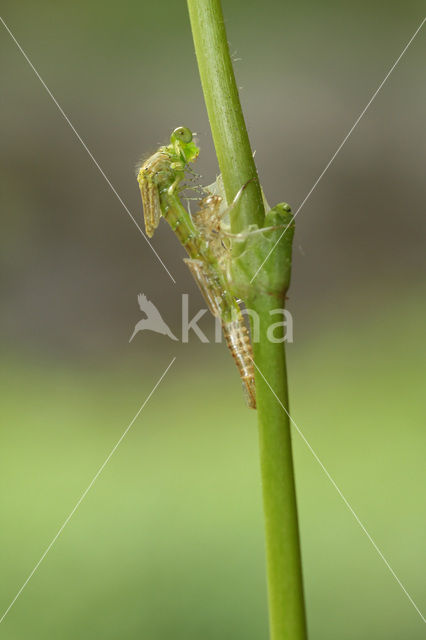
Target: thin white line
x,y
342,496
84,494
83,143
339,148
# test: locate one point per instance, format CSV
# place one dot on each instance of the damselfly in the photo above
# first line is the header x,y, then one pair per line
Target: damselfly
x,y
160,179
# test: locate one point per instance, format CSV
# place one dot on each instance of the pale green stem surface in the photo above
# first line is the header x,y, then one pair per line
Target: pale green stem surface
x,y
226,118
284,571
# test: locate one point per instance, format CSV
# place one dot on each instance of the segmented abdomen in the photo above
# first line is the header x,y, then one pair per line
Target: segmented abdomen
x,y
238,342
221,303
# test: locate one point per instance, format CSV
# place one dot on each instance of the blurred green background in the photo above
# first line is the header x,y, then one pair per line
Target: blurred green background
x,y
169,542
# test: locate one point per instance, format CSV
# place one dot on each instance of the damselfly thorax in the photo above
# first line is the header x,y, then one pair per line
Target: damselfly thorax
x,y
209,220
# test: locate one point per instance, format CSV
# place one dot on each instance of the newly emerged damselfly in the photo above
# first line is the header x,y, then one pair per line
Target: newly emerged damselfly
x,y
160,179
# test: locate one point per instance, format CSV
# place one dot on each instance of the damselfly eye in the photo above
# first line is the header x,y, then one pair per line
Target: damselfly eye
x,y
183,134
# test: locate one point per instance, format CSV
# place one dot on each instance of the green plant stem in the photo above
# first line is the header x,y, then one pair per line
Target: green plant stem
x,y
284,571
284,568
226,118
